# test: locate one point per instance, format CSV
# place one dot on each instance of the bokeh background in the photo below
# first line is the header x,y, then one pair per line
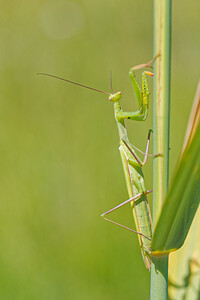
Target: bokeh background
x,y
59,161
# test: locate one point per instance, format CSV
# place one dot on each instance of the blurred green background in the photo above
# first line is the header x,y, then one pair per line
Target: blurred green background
x,y
59,163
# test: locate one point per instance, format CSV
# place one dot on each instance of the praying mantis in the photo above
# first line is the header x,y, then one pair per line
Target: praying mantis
x,y
132,165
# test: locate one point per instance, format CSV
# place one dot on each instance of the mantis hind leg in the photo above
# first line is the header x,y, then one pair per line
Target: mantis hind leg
x,y
120,205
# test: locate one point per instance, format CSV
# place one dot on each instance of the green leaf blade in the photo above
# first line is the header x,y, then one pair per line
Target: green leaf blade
x,y
181,203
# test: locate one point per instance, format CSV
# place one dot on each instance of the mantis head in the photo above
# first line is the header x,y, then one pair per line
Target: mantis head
x,y
115,97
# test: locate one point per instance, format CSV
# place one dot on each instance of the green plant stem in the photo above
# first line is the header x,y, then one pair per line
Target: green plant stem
x,y
162,47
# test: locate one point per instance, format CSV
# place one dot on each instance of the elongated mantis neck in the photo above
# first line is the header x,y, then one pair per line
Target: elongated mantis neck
x,y
120,123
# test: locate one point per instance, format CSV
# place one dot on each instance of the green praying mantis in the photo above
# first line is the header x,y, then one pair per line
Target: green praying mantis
x,y
183,197
132,165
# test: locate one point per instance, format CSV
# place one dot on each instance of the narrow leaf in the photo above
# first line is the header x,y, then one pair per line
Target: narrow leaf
x,y
184,265
184,195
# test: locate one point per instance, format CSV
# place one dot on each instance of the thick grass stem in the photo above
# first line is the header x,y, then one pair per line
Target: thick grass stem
x,y
162,47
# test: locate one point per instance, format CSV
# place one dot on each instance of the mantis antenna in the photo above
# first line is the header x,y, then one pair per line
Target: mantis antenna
x,y
111,82
73,82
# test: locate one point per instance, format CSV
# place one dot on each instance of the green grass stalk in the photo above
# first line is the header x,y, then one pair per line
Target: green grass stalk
x,y
161,107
